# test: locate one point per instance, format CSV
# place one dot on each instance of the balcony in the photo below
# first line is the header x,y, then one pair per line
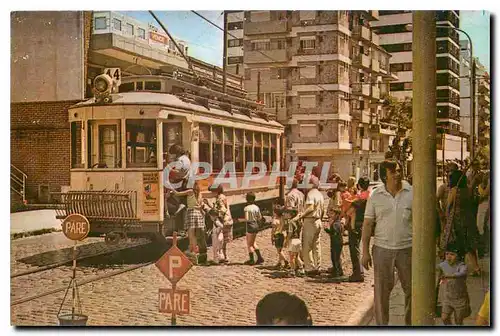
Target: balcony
x,y
267,27
484,99
375,66
343,107
365,144
265,56
374,15
484,87
375,92
361,89
375,39
362,61
361,32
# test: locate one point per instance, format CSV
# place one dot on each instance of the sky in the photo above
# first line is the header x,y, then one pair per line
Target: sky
x,y
205,41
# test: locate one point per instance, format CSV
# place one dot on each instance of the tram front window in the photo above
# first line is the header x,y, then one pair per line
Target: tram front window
x,y
141,143
104,144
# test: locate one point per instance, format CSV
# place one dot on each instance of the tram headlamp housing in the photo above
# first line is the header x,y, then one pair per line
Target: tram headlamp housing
x,y
103,84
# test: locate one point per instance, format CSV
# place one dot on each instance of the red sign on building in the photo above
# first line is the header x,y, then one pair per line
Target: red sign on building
x,y
158,38
174,301
174,264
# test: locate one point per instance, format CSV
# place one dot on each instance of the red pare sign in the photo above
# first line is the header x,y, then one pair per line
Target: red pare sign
x,y
76,227
174,301
174,264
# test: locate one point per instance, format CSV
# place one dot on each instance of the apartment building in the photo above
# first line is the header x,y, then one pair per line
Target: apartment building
x,y
395,32
482,110
323,74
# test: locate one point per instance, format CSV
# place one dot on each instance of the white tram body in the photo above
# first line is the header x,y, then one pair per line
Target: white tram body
x,y
121,146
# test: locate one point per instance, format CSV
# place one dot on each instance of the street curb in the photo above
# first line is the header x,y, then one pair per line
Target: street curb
x,y
364,313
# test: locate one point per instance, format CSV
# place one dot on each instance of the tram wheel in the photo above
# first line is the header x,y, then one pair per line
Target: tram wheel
x,y
112,238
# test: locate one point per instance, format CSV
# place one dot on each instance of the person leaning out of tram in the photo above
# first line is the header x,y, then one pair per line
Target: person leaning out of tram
x,y
180,166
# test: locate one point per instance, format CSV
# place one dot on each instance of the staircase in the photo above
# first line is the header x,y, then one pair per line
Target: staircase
x,y
18,182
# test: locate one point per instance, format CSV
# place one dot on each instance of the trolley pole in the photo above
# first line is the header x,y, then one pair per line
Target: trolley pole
x,y
224,57
424,151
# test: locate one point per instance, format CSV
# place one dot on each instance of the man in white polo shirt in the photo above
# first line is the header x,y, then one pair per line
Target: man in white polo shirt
x,y
389,208
312,214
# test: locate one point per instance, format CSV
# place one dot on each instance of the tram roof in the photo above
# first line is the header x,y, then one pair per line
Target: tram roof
x,y
170,100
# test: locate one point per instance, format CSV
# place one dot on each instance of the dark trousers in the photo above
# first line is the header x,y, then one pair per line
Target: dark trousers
x,y
354,252
335,253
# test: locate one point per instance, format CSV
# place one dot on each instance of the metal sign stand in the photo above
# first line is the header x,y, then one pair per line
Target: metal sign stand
x,y
174,283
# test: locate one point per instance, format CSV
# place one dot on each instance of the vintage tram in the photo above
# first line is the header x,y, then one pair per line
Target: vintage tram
x,y
120,141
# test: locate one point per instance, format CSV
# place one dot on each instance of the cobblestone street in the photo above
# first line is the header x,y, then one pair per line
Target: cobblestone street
x,y
220,295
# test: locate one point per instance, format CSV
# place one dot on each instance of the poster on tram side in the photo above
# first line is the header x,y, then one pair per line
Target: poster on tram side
x,y
151,195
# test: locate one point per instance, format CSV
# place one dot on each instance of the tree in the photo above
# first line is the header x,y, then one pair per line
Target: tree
x,y
399,113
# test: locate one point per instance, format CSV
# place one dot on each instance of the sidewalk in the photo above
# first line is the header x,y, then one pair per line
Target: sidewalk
x,y
26,221
476,287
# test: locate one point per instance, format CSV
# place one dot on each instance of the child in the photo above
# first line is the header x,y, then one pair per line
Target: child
x,y
252,218
217,236
195,224
278,236
452,275
335,229
294,243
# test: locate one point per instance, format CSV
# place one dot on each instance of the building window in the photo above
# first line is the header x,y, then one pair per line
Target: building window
x,y
308,130
141,142
398,47
271,99
408,86
117,24
235,60
397,87
129,29
279,44
307,101
308,71
261,45
100,23
235,43
400,28
309,43
234,25
142,33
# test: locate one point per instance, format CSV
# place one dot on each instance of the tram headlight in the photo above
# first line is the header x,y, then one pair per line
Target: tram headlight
x,y
103,84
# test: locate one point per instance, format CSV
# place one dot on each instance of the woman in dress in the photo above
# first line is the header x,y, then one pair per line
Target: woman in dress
x,y
460,228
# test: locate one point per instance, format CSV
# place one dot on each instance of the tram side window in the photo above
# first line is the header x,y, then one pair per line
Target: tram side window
x,y
238,152
228,144
265,152
248,147
126,87
172,135
258,147
141,143
216,148
273,148
204,146
76,144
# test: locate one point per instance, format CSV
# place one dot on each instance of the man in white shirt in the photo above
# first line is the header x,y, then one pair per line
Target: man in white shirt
x,y
312,216
390,207
295,198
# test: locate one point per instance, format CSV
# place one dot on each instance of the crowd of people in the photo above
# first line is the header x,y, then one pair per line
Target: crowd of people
x,y
355,211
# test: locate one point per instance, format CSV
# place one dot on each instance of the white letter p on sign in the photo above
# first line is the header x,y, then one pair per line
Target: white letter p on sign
x,y
173,262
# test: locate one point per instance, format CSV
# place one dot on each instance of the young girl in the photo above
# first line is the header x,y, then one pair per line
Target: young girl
x,y
217,235
252,218
452,274
278,236
222,206
195,224
294,243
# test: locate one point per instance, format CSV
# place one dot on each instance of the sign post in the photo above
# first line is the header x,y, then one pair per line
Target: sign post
x,y
75,227
174,265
